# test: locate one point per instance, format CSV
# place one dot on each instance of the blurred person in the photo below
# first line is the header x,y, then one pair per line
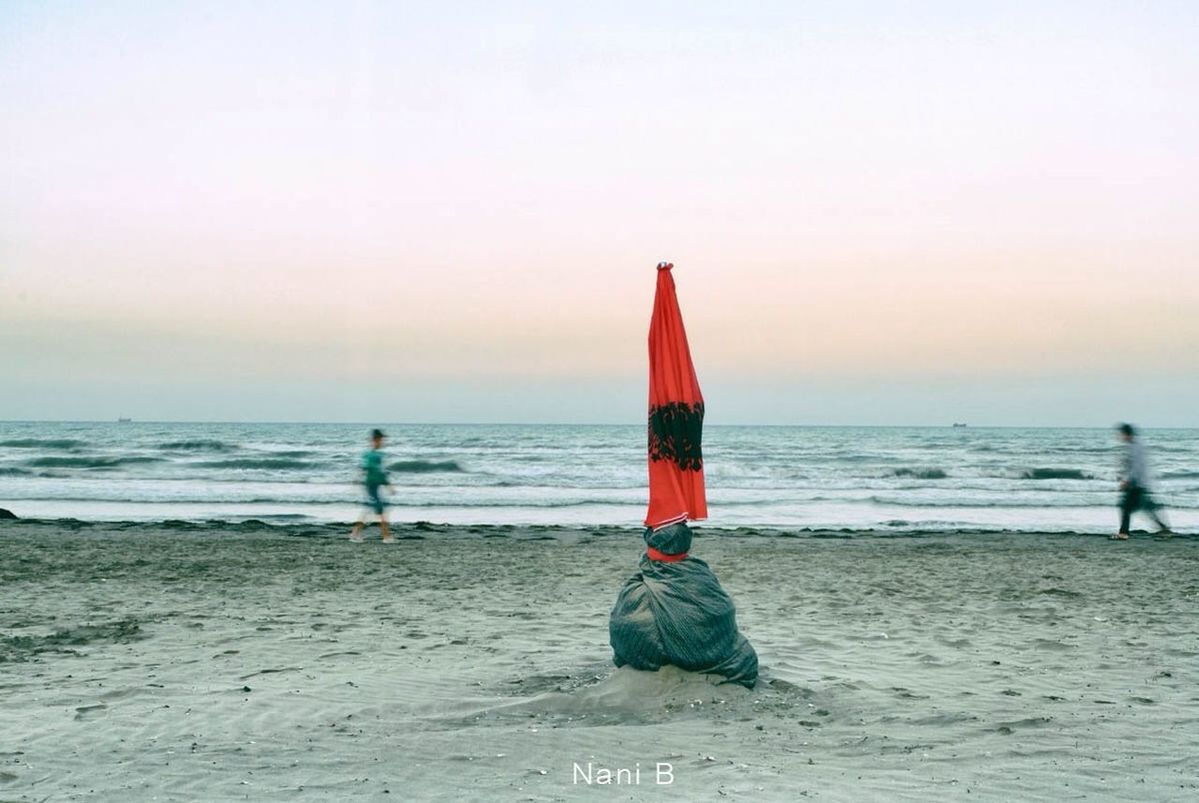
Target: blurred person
x,y
374,479
1134,484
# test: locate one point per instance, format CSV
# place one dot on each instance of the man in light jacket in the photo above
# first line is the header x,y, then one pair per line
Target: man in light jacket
x,y
1134,483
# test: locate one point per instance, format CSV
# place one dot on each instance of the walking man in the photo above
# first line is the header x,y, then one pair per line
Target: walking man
x,y
1134,484
374,478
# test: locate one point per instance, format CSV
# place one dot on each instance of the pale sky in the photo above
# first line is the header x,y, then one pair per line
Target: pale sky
x,y
880,213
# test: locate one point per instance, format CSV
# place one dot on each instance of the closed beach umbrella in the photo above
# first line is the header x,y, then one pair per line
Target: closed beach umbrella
x,y
676,415
673,611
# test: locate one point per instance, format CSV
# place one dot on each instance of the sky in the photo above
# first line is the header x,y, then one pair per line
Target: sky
x,y
879,213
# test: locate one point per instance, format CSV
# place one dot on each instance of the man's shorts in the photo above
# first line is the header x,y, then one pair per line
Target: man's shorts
x,y
1137,498
373,500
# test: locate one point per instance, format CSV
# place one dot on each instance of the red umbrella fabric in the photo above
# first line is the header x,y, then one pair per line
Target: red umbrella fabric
x,y
676,415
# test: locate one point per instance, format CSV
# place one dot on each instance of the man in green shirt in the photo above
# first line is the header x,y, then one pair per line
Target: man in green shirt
x,y
374,478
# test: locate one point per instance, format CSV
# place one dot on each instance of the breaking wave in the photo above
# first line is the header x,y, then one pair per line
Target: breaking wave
x,y
1055,474
259,464
90,462
426,467
64,444
920,473
197,446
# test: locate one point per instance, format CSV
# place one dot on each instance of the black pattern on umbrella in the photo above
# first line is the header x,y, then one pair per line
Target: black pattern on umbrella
x,y
675,433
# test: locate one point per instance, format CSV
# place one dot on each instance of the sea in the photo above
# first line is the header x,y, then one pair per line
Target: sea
x,y
789,478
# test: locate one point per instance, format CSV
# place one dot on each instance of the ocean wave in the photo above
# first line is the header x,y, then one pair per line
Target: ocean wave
x,y
1179,475
15,472
196,446
257,463
64,444
426,467
540,504
976,503
1017,449
1055,474
920,473
850,457
90,462
347,502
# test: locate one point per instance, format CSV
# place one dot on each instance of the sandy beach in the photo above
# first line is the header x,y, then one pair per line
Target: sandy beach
x,y
223,662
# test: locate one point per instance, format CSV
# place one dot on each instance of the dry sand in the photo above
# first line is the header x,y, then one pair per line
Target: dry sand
x,y
257,663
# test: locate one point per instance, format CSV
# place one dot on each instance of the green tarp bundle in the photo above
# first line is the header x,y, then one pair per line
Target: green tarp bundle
x,y
674,612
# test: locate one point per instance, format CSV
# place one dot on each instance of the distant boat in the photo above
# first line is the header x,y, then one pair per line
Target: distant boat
x,y
127,420
960,426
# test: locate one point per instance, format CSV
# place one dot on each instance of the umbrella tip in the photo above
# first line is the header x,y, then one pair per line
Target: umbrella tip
x,y
665,265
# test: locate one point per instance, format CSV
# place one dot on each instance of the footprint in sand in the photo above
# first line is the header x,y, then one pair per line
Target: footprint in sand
x,y
91,711
271,672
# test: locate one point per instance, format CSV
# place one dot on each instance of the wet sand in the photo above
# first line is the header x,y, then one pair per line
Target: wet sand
x,y
220,662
